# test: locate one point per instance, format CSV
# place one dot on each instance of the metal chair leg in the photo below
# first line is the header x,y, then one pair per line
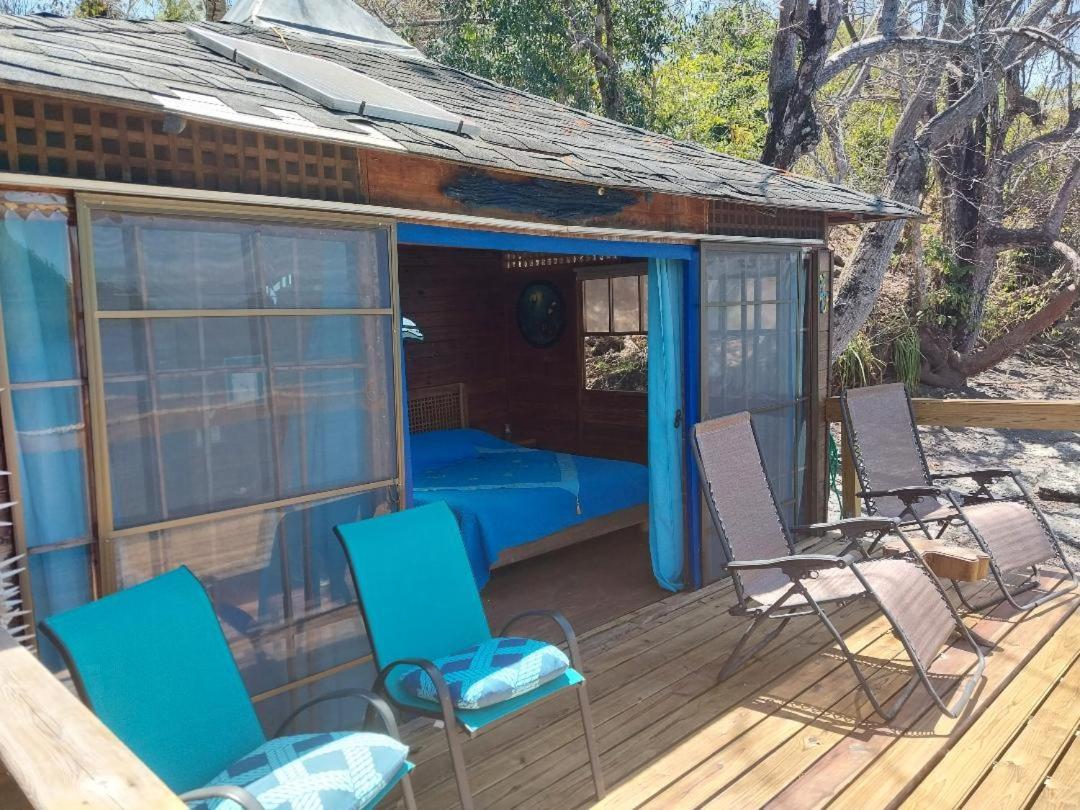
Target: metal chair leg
x,y
590,742
735,662
407,792
457,759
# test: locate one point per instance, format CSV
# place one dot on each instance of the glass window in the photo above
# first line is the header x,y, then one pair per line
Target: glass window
x,y
754,326
163,261
248,386
597,305
278,580
625,306
615,341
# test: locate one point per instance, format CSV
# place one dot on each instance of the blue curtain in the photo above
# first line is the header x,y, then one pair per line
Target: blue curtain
x,y
35,292
666,528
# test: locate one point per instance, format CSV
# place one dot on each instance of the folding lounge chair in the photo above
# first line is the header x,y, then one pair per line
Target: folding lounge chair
x,y
896,482
153,664
430,637
772,581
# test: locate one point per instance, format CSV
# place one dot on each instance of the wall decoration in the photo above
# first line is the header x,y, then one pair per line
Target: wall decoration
x,y
541,314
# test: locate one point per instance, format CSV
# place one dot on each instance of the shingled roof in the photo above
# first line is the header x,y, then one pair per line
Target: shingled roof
x,y
158,65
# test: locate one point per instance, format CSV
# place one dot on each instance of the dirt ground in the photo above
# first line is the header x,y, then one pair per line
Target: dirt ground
x,y
1048,459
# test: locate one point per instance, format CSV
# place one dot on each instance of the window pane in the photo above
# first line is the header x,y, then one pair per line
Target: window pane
x,y
644,280
160,261
624,296
595,293
753,354
616,363
278,580
236,411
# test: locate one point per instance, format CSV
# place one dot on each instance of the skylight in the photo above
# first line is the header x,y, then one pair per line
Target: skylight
x,y
334,86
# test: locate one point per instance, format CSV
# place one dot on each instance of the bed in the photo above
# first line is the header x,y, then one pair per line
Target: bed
x,y
513,502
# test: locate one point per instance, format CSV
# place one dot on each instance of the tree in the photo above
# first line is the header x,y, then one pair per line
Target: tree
x,y
712,87
961,75
591,54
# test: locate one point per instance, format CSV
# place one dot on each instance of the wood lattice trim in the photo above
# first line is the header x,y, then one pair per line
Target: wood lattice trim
x,y
64,138
441,407
736,219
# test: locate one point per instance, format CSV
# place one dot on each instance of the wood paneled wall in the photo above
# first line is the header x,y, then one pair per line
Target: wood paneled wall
x,y
543,384
464,302
456,298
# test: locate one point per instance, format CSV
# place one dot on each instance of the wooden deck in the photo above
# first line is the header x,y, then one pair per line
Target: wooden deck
x,y
785,732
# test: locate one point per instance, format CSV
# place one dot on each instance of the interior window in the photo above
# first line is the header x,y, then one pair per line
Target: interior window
x,y
615,334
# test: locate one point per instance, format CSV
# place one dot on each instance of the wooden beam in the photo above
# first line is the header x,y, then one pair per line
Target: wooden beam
x,y
849,479
1015,414
58,753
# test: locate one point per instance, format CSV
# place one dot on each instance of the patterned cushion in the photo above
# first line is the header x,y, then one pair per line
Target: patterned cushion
x,y
490,672
314,772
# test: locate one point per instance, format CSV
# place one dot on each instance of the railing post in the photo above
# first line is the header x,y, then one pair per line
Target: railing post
x,y
849,481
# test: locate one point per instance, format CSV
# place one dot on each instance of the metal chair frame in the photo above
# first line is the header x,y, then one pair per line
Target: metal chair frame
x,y
457,731
911,495
800,567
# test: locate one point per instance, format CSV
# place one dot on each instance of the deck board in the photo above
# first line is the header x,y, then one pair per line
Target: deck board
x,y
789,730
1019,772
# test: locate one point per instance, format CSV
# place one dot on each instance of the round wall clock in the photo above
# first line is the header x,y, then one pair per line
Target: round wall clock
x,y
541,314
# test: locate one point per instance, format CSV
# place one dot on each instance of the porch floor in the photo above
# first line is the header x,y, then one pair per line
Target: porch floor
x,y
785,731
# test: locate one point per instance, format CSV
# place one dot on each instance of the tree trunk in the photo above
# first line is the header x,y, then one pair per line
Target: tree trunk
x,y
793,127
945,367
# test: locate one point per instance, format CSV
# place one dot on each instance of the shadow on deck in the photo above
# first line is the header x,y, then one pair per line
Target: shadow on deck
x,y
791,729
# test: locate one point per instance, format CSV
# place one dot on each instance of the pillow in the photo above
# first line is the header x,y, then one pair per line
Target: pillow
x,y
329,771
490,672
438,448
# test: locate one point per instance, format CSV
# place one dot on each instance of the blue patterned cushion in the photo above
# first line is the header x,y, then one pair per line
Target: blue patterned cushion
x,y
490,672
335,771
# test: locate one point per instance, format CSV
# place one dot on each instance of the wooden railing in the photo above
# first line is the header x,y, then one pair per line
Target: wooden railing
x,y
1011,414
57,753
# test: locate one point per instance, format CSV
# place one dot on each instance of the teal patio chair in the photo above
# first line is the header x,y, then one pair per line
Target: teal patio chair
x,y
152,662
430,637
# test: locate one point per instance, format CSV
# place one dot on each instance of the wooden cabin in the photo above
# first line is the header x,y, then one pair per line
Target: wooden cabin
x,y
209,237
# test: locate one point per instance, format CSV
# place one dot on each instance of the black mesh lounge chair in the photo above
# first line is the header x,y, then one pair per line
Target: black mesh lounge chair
x,y
772,581
896,482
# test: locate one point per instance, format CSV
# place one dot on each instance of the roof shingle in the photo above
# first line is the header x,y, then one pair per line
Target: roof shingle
x,y
143,62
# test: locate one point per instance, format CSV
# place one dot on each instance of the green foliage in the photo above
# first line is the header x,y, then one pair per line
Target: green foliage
x,y
180,10
907,357
868,130
714,87
1016,294
949,301
527,44
93,8
616,362
857,364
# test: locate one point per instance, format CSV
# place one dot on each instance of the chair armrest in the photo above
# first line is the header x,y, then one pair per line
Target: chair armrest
x,y
564,626
230,792
442,690
853,528
906,494
981,476
850,527
381,707
795,566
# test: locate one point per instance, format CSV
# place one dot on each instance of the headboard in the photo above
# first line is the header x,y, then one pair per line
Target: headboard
x,y
441,407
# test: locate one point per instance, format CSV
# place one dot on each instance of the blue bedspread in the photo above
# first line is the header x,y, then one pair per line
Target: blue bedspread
x,y
505,495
